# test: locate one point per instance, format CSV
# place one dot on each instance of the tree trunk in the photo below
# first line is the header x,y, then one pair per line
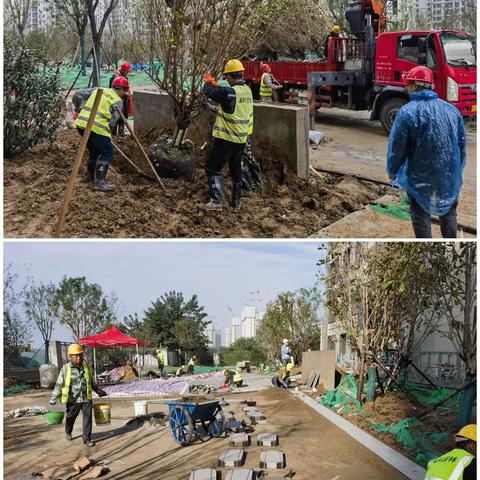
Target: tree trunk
x,y
360,378
97,63
466,405
47,355
82,55
372,383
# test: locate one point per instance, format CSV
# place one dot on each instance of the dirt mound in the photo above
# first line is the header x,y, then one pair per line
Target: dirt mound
x,y
35,182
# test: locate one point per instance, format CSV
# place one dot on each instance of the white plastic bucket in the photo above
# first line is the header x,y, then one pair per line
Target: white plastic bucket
x,y
141,408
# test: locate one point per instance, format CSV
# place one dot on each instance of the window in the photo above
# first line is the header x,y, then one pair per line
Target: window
x,y
407,48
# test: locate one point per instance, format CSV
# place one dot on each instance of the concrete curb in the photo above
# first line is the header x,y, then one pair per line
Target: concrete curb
x,y
396,460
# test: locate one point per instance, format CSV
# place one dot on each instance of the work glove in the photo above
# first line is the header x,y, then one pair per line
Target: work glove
x,y
102,393
52,402
207,78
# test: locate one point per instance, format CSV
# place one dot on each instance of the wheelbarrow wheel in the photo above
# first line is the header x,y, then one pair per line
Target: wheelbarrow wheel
x,y
216,426
181,425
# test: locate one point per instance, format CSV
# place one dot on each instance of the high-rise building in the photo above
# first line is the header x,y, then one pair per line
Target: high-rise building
x,y
41,16
437,10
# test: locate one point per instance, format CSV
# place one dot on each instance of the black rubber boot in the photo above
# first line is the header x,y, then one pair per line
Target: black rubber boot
x,y
236,195
216,192
101,171
92,161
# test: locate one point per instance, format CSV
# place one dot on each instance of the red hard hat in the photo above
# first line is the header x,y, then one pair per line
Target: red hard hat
x,y
125,66
120,82
423,76
265,67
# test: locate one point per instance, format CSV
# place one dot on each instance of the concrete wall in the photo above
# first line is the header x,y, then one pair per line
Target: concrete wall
x,y
152,110
283,130
321,362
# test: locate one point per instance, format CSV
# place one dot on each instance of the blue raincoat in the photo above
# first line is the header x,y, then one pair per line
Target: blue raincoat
x,y
427,151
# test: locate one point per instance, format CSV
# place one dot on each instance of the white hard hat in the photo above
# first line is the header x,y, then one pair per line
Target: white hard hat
x,y
285,340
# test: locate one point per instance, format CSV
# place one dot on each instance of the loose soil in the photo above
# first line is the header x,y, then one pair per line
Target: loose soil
x,y
314,447
35,182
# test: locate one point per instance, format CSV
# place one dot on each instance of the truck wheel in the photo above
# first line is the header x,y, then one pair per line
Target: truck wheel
x,y
389,111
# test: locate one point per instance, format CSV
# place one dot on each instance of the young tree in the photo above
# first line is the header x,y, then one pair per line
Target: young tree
x,y
18,12
76,13
97,30
83,307
189,336
40,310
133,326
244,349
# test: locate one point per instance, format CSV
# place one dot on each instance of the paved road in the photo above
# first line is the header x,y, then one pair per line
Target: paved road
x,y
356,145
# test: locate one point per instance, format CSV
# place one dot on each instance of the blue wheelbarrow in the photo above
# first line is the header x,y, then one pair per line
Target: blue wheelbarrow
x,y
189,419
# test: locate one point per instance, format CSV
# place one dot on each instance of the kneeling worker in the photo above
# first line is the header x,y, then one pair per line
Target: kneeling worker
x,y
100,141
181,371
282,377
233,377
233,126
459,463
74,388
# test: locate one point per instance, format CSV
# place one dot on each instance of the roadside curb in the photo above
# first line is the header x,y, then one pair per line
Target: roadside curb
x,y
401,463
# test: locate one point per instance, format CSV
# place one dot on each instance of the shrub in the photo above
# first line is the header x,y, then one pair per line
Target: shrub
x,y
32,105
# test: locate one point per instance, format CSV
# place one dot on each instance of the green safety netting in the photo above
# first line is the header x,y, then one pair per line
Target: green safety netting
x,y
398,210
408,432
15,389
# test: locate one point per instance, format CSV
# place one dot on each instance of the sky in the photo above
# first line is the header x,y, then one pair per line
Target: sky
x,y
222,274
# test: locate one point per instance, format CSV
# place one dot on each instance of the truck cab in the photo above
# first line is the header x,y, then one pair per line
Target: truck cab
x,y
451,56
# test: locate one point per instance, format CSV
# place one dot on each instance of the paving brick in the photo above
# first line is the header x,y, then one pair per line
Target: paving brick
x,y
272,459
230,417
204,474
239,440
232,457
240,474
255,416
235,426
249,409
267,439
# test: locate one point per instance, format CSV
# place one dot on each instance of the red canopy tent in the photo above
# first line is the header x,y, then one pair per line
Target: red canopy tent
x,y
112,337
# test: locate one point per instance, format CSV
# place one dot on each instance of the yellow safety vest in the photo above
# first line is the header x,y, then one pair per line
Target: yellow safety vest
x,y
102,118
68,380
449,466
237,126
160,357
237,377
265,91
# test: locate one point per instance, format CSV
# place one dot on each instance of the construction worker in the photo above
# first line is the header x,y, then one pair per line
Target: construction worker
x,y
427,154
181,371
191,365
80,98
123,71
233,126
161,361
233,377
100,141
282,378
285,352
459,463
268,84
74,388
334,33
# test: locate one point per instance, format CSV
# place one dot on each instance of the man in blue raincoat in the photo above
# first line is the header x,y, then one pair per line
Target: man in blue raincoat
x,y
427,155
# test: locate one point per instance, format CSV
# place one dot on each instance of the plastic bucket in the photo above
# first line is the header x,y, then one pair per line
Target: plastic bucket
x,y
54,418
102,413
141,408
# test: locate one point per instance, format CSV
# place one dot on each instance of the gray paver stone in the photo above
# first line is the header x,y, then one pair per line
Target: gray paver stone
x,y
240,474
239,440
267,439
272,459
232,457
204,474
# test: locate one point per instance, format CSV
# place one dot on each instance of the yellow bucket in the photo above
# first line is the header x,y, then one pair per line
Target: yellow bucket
x,y
102,413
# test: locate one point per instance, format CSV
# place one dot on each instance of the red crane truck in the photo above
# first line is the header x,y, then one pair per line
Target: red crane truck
x,y
365,70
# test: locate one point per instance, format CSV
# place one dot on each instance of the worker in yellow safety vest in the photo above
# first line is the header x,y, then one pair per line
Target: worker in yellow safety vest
x,y
99,144
282,377
161,361
267,84
74,388
233,126
460,463
232,377
191,365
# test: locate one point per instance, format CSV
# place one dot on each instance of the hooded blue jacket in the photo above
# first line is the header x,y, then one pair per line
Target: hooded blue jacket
x,y
427,151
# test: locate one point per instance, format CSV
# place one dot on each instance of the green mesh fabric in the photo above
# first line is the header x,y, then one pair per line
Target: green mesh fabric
x,y
15,389
398,210
345,395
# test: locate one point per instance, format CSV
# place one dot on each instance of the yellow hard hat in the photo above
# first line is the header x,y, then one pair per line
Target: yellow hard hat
x,y
289,367
468,432
336,29
74,349
233,66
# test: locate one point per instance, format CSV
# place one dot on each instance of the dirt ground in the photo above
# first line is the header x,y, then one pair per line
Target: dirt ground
x,y
314,447
35,182
357,146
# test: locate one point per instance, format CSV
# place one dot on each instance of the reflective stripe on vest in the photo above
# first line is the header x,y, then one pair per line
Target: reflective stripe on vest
x,y
237,126
449,466
68,380
265,91
101,123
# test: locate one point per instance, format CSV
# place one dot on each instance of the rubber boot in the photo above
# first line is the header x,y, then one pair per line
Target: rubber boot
x,y
101,171
216,192
236,195
92,161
